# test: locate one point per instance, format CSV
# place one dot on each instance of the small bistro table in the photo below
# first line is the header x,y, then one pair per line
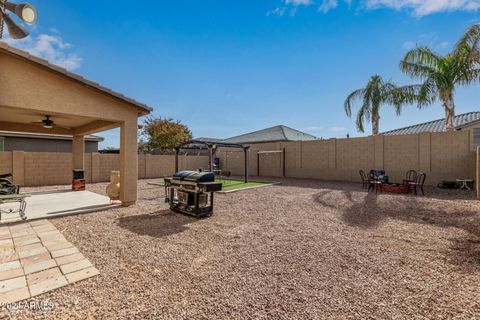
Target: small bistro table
x,y
12,198
464,183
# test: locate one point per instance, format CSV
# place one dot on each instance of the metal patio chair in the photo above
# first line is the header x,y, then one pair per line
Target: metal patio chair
x,y
418,184
411,176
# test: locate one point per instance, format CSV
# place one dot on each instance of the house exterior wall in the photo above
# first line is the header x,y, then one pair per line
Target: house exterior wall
x,y
44,145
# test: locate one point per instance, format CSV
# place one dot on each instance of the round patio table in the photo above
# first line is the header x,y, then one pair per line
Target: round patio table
x,y
465,183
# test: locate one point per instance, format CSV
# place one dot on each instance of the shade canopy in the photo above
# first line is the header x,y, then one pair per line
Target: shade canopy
x,y
211,146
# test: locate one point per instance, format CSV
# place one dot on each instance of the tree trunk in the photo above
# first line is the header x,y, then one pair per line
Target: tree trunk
x,y
375,124
449,106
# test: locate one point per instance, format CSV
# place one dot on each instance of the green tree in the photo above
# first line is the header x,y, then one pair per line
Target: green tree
x,y
441,75
163,134
376,93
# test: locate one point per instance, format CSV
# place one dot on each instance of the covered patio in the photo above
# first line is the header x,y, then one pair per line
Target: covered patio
x,y
32,89
56,203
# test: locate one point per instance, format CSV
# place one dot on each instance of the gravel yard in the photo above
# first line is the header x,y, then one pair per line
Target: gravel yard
x,y
300,250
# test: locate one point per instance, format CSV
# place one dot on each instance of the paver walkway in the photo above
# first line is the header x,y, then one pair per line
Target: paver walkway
x,y
36,258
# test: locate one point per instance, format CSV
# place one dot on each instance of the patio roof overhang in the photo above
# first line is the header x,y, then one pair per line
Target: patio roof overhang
x,y
31,88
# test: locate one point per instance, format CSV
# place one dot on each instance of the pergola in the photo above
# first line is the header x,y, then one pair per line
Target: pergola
x,y
31,88
211,146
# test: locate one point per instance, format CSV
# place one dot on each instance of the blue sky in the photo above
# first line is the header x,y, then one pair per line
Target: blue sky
x,y
229,67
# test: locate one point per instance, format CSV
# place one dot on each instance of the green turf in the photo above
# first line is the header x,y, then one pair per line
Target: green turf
x,y
230,185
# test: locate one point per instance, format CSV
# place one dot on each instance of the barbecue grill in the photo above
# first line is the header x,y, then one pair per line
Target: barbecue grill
x,y
191,192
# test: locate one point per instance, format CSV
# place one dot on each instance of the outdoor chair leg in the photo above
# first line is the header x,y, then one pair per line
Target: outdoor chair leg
x,y
423,192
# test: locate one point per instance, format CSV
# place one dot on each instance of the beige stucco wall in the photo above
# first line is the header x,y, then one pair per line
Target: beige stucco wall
x,y
44,168
5,162
442,156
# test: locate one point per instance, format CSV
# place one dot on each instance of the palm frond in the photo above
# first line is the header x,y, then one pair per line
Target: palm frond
x,y
417,70
420,62
363,115
352,97
468,43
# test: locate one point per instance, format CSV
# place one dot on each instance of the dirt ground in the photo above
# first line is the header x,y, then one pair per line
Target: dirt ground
x,y
300,250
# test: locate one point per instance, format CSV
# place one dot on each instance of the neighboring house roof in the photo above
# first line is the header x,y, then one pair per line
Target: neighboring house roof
x,y
273,134
460,121
209,139
73,76
90,138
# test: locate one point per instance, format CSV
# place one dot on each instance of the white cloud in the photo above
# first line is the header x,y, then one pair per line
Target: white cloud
x,y
299,2
314,128
427,39
418,8
328,5
290,6
409,45
278,11
425,7
338,129
444,45
50,47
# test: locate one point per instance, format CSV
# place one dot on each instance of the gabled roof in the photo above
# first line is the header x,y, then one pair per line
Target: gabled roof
x,y
72,76
460,121
273,134
204,139
91,138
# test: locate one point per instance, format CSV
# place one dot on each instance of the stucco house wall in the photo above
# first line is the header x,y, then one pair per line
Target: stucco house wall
x,y
44,145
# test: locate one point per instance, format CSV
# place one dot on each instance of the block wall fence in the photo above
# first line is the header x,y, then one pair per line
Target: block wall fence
x,y
44,168
442,156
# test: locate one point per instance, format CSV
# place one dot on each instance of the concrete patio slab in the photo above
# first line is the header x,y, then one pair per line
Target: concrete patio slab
x,y
51,204
30,267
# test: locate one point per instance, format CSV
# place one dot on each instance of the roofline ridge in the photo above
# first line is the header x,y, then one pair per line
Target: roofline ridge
x,y
428,122
282,127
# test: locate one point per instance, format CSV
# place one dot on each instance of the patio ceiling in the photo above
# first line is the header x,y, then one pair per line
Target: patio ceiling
x,y
20,120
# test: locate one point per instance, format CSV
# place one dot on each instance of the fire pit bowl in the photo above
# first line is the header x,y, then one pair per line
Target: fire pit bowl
x,y
395,188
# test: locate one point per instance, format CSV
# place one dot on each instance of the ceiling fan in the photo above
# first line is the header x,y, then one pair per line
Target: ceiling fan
x,y
48,123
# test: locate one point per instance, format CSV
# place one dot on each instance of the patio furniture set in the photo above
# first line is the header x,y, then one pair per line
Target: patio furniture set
x,y
10,193
378,181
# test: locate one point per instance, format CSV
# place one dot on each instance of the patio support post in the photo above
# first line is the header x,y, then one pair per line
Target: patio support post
x,y
477,180
128,161
176,159
210,158
245,151
78,152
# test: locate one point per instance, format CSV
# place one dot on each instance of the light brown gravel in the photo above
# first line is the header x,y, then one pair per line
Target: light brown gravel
x,y
300,250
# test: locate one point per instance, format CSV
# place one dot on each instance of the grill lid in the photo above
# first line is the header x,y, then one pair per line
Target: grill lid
x,y
194,176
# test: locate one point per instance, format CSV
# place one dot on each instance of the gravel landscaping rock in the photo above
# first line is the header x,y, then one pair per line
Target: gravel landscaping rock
x,y
300,250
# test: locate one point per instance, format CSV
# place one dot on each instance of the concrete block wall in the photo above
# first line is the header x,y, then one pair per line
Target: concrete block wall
x,y
5,162
44,168
442,156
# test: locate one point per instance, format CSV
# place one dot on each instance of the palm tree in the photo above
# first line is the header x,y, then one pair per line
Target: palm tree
x,y
373,96
440,75
468,44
